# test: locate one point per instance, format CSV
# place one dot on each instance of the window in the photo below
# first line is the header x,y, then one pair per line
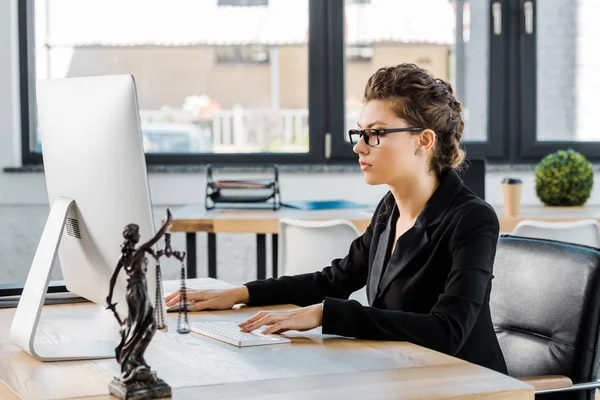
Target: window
x,y
359,53
424,33
214,83
561,64
243,3
258,54
241,81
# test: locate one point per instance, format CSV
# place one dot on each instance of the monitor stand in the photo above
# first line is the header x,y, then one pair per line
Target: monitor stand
x,y
27,317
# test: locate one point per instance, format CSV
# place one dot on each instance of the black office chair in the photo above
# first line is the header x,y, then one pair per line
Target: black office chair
x,y
473,175
545,306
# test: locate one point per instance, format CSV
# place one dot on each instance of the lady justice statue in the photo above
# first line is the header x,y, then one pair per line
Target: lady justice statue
x,y
137,380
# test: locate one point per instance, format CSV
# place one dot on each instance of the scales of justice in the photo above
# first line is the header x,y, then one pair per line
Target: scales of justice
x,y
137,380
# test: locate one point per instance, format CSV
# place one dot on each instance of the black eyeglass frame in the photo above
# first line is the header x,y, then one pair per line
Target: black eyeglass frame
x,y
377,132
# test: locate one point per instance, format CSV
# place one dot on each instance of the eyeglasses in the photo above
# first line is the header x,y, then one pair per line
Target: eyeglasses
x,y
371,136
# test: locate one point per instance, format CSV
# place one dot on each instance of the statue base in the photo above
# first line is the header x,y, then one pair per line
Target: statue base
x,y
137,390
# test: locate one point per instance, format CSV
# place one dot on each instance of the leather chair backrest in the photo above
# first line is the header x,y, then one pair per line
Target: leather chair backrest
x,y
545,306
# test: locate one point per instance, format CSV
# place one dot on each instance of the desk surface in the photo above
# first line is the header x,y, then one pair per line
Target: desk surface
x,y
195,218
313,366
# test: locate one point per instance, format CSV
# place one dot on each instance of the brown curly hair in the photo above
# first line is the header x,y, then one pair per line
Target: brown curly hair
x,y
424,101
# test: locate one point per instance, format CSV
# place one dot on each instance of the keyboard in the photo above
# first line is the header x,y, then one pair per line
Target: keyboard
x,y
229,332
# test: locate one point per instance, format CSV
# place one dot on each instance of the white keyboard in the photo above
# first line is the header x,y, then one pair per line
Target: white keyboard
x,y
229,332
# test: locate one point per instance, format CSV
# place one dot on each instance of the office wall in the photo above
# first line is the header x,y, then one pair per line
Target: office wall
x,y
24,207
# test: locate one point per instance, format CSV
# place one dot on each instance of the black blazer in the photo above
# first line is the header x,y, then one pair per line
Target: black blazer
x,y
434,290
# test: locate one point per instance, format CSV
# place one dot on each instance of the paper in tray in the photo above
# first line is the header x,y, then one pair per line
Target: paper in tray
x,y
230,193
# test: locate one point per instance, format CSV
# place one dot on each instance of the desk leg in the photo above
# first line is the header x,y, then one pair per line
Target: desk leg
x,y
275,253
261,256
190,246
212,255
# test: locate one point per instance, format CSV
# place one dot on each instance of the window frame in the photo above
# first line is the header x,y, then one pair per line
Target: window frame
x,y
532,149
493,149
512,84
317,99
26,65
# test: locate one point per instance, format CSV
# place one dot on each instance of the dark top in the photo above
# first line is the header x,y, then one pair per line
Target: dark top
x,y
434,290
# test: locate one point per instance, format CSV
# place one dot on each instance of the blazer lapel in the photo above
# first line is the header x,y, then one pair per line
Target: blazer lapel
x,y
416,238
379,259
410,244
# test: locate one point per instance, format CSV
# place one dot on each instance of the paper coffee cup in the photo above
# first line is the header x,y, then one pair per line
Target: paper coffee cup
x,y
511,191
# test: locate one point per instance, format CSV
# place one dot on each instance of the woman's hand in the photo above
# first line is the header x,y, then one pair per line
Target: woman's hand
x,y
301,319
216,299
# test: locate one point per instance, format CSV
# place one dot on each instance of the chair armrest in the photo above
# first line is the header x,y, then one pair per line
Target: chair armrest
x,y
548,382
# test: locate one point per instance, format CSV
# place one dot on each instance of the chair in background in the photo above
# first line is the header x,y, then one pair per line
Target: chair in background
x,y
585,231
310,245
545,307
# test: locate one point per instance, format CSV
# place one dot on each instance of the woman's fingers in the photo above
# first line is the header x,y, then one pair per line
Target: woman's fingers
x,y
177,293
301,319
200,296
254,318
174,300
268,319
258,316
195,296
210,304
279,327
276,316
172,295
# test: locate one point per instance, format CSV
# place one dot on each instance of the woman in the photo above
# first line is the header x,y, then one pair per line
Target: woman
x,y
426,258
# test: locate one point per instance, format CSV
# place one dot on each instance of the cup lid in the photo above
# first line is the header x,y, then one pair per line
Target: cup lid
x,y
511,181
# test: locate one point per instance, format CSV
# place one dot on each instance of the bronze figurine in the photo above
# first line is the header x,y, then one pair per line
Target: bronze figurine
x,y
137,380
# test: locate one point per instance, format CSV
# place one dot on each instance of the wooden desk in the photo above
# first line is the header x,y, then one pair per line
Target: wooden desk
x,y
313,366
194,218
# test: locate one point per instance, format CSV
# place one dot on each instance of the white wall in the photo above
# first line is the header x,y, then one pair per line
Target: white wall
x,y
172,189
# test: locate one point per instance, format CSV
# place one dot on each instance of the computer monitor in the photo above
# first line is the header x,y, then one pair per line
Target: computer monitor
x,y
97,183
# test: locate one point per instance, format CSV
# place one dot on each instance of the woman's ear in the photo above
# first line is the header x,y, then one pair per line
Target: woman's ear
x,y
426,140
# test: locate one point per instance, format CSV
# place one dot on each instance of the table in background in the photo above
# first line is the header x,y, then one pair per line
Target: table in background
x,y
313,366
549,214
195,218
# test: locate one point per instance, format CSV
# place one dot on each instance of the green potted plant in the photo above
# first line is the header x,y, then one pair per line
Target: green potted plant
x,y
564,178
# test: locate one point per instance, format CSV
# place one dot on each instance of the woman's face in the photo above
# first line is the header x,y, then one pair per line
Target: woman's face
x,y
397,157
